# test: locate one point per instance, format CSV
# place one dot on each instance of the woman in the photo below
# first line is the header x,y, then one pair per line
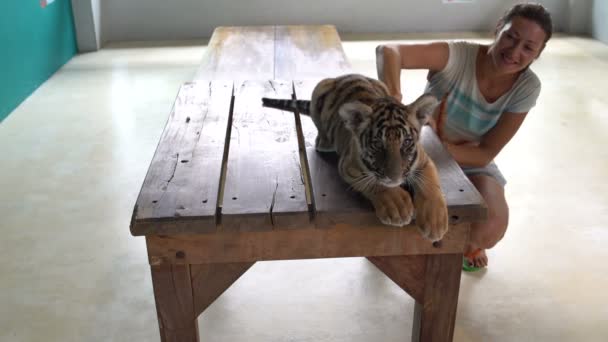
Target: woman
x,y
488,90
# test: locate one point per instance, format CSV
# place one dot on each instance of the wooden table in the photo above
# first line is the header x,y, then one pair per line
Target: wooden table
x,y
232,183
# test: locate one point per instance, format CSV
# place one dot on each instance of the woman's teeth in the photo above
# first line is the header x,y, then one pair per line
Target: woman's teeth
x,y
508,60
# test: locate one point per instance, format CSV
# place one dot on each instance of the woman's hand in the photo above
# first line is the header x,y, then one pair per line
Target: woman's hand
x,y
391,58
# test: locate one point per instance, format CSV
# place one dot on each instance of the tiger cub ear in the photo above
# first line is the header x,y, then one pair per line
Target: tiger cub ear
x,y
355,115
423,107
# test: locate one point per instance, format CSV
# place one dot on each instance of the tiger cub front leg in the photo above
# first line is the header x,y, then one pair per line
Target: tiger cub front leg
x,y
393,206
431,207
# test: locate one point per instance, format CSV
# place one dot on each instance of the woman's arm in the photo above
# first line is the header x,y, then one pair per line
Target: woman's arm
x,y
491,143
390,59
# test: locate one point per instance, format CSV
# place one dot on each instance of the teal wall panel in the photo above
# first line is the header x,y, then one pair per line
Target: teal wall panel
x,y
34,43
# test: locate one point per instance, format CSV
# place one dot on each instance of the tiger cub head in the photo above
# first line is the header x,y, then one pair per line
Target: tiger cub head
x,y
387,133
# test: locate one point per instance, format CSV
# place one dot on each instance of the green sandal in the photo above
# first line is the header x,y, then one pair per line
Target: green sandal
x,y
466,266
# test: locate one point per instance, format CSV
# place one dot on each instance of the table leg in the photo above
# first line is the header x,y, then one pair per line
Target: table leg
x,y
209,281
174,303
435,314
407,271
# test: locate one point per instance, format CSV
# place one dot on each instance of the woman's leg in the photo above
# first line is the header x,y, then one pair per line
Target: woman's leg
x,y
485,235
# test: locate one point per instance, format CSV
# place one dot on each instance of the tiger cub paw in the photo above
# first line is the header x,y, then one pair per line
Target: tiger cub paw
x,y
432,218
394,206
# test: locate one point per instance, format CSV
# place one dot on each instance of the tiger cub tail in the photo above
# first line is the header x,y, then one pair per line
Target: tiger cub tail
x,y
302,106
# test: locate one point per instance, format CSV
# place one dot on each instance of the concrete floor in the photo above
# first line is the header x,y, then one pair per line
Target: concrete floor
x,y
75,153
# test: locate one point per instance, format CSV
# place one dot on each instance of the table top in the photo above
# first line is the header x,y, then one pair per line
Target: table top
x,y
225,163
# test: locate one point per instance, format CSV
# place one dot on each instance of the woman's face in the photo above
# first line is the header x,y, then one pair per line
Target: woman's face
x,y
518,43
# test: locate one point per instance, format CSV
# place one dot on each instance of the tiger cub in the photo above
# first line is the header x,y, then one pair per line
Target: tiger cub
x,y
377,140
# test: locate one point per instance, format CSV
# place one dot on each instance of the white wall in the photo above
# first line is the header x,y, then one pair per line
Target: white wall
x,y
185,19
86,36
96,9
579,16
599,20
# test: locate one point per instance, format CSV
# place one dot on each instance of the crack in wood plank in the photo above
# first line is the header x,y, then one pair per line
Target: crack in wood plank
x,y
304,167
222,181
173,172
274,198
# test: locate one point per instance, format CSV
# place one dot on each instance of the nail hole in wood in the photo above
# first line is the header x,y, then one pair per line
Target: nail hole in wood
x,y
437,244
187,119
185,161
323,195
204,201
154,201
292,196
180,255
234,198
455,217
461,190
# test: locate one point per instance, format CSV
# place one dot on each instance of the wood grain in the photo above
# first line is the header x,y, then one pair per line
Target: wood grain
x,y
333,242
309,52
183,178
209,281
406,271
435,314
239,53
264,185
174,303
273,52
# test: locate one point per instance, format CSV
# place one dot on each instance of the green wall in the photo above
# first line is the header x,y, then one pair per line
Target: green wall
x,y
34,43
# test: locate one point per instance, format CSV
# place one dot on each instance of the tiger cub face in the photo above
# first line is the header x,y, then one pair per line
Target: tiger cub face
x,y
387,133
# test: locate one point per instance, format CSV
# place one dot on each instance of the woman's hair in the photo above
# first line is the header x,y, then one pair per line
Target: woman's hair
x,y
534,12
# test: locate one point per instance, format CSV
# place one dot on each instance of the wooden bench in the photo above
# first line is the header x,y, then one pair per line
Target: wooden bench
x,y
232,183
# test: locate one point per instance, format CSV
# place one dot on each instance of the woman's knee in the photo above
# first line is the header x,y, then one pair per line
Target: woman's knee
x,y
491,231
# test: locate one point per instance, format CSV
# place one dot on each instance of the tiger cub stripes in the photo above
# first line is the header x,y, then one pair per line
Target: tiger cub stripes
x,y
377,140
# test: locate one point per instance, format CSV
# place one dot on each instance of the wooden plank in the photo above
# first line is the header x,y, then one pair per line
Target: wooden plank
x,y
465,203
335,203
264,186
331,242
183,179
406,271
435,314
303,91
209,281
304,167
239,53
174,303
309,52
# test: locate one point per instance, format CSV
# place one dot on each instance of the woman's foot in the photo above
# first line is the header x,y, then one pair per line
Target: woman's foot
x,y
476,257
